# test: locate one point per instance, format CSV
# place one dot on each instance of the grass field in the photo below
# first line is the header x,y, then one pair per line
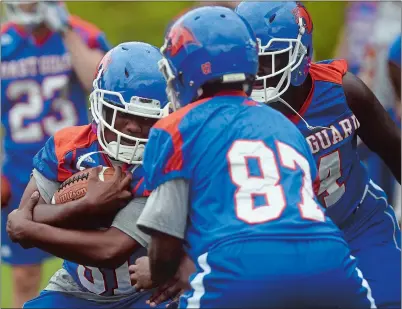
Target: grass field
x,y
50,268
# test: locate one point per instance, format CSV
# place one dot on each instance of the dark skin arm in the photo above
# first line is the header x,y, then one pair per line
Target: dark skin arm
x,y
101,203
66,215
395,75
141,279
165,253
377,130
101,248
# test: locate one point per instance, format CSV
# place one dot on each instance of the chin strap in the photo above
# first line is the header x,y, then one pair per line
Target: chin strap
x,y
311,128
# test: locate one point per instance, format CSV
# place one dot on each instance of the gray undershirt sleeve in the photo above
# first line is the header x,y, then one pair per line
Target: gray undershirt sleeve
x,y
126,221
166,209
46,187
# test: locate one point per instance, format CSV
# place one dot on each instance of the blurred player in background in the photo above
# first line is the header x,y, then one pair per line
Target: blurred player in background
x,y
48,62
374,71
378,170
232,181
95,271
380,23
331,107
355,35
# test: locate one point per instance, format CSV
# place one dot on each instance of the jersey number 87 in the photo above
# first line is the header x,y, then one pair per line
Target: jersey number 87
x,y
268,184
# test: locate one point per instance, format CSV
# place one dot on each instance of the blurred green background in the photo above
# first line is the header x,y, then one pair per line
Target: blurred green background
x,y
146,21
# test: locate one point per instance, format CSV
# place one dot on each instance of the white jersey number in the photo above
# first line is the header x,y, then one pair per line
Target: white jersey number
x,y
268,184
33,106
329,171
95,281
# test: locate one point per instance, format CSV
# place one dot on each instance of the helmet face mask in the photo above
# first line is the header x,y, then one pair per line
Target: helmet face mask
x,y
277,81
126,148
128,98
284,30
167,73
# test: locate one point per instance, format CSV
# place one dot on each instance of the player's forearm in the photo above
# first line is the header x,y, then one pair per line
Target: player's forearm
x,y
164,260
68,215
91,248
84,60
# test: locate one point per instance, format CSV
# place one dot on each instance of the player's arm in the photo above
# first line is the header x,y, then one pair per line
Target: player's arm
x,y
377,130
85,51
164,218
100,248
81,213
68,214
84,59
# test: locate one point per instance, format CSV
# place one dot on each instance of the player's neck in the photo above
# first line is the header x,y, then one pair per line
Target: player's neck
x,y
295,97
41,32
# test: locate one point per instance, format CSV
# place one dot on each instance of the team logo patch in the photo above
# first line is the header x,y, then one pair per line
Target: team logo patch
x,y
179,37
206,68
301,11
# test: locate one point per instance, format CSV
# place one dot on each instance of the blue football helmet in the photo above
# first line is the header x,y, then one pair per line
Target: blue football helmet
x,y
128,81
283,30
207,44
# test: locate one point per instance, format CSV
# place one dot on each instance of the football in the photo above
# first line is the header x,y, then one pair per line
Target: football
x,y
75,187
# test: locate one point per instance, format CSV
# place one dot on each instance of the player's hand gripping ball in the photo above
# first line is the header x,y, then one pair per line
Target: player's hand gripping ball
x,y
76,186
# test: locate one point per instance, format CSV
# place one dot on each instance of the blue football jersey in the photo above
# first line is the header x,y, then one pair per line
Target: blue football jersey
x,y
342,177
57,161
40,93
250,173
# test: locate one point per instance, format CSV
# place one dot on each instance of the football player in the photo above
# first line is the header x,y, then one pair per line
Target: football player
x,y
128,97
331,107
48,60
378,170
232,179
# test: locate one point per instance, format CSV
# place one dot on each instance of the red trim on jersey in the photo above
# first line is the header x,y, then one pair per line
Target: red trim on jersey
x,y
70,139
171,124
332,72
40,40
19,29
37,40
138,185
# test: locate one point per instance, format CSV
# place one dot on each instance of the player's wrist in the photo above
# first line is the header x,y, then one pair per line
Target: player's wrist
x,y
27,231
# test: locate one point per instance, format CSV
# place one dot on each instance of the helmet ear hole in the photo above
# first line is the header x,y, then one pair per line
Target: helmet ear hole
x,y
126,72
180,78
272,18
